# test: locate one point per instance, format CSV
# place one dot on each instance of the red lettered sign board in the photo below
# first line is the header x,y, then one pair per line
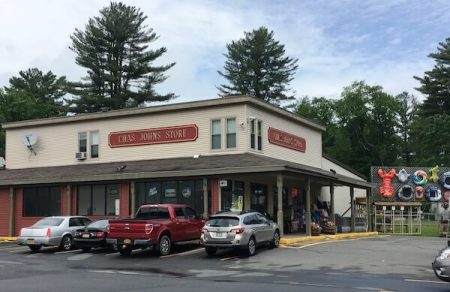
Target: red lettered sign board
x,y
287,140
164,135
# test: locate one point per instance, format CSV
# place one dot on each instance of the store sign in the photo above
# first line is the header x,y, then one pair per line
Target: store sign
x,y
164,135
287,140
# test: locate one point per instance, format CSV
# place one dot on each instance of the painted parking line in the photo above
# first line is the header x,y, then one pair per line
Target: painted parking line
x,y
425,281
79,257
66,251
229,258
15,248
19,250
189,252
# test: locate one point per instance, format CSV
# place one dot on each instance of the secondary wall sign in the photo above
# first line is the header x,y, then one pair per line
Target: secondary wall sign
x,y
175,134
287,140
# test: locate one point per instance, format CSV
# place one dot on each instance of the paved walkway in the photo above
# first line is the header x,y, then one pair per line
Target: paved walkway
x,y
288,238
7,239
299,238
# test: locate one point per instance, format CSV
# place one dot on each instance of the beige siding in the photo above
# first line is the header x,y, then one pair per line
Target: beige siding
x,y
313,154
341,194
57,144
327,165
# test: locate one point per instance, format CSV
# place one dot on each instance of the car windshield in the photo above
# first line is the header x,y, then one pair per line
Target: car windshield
x,y
98,224
49,222
223,222
150,213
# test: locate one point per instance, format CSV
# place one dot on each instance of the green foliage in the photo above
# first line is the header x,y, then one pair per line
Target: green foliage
x,y
435,85
114,48
31,95
322,111
362,127
429,140
257,66
34,95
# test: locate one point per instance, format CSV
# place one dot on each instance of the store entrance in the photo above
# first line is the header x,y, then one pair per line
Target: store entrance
x,y
258,200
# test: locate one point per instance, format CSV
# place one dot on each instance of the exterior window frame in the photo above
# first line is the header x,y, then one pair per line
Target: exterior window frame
x,y
215,135
52,194
230,133
91,143
106,188
85,146
256,135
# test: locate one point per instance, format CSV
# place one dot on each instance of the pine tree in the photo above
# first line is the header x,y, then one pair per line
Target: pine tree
x,y
256,65
114,48
435,85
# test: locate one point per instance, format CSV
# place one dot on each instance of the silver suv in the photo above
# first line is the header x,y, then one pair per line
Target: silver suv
x,y
244,230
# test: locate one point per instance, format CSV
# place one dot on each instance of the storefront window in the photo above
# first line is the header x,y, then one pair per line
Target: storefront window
x,y
153,192
112,194
189,192
232,195
41,201
258,197
84,200
170,192
97,199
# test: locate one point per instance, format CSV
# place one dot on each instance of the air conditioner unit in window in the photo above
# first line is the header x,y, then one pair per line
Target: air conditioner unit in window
x,y
80,155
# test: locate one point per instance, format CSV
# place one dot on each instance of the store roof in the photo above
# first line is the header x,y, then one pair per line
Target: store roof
x,y
193,105
168,168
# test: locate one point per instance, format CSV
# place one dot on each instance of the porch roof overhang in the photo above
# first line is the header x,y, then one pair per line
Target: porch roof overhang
x,y
244,163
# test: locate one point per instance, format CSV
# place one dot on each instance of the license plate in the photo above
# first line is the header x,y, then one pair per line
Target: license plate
x,y
219,234
85,235
30,241
127,241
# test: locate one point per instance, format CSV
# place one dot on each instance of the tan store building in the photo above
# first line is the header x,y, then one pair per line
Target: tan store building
x,y
227,153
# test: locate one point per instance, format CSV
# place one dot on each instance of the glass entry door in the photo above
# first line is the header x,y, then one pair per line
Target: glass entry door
x,y
258,198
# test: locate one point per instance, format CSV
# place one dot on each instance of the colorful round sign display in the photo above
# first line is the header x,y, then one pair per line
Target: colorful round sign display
x,y
420,178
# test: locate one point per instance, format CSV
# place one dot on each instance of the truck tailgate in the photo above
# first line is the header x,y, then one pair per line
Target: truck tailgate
x,y
127,229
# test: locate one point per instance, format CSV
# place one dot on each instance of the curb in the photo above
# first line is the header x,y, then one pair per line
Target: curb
x,y
299,239
7,239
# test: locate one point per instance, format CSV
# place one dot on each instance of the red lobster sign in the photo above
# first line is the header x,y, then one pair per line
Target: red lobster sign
x,y
387,189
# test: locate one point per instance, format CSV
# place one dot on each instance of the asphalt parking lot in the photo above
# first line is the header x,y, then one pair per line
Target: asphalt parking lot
x,y
370,264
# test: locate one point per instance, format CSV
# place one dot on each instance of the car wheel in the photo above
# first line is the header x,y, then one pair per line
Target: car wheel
x,y
35,247
66,243
251,247
210,250
276,240
86,249
125,251
164,245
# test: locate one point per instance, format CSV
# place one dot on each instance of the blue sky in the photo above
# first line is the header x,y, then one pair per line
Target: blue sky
x,y
382,42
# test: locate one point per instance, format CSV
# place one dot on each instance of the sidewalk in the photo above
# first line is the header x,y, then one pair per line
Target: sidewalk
x,y
289,238
7,239
293,238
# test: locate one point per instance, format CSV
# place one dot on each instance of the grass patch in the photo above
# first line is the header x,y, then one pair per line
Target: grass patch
x,y
430,228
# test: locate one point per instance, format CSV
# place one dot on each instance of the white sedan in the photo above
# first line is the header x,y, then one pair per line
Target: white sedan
x,y
52,231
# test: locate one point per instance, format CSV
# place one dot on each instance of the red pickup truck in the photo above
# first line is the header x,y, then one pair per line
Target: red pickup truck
x,y
155,226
